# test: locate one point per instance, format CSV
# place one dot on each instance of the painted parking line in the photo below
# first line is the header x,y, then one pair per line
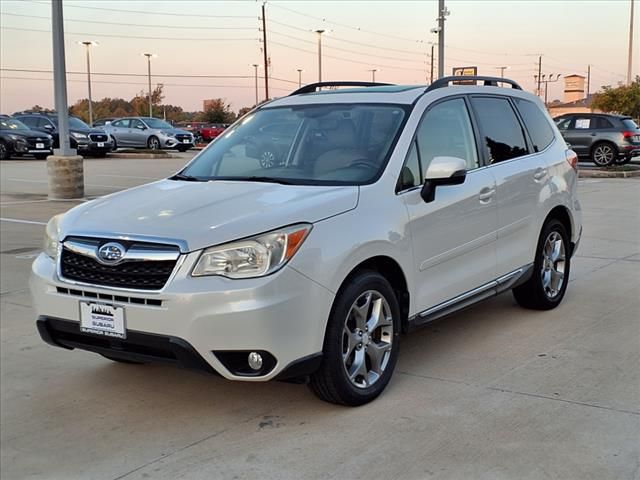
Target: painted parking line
x,y
45,181
129,176
17,220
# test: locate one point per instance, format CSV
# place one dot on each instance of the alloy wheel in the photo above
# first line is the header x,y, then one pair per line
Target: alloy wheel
x,y
367,338
154,143
553,265
603,155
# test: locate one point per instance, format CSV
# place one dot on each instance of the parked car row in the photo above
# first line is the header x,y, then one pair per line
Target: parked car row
x,y
605,139
37,134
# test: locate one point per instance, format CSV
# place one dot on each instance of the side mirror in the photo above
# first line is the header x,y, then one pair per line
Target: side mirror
x,y
443,171
141,127
47,126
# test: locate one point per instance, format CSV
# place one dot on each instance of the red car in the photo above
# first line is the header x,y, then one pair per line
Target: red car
x,y
211,131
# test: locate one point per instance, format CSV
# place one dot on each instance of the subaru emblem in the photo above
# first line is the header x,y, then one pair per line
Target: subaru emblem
x,y
111,253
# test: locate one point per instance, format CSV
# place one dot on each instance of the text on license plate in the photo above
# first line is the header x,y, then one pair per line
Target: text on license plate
x,y
185,141
39,145
100,144
102,319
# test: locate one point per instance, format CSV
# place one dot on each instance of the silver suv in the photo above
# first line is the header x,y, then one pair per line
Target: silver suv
x,y
390,207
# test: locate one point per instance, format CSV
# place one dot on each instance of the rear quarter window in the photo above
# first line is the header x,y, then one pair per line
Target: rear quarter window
x,y
536,124
628,123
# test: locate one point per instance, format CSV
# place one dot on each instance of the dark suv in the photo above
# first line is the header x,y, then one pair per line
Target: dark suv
x,y
605,139
16,139
86,140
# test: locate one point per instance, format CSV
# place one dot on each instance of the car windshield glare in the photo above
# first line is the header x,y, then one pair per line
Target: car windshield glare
x,y
74,122
338,144
11,124
156,123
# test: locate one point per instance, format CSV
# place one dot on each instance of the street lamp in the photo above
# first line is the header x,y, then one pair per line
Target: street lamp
x,y
546,82
299,70
149,56
88,44
320,32
255,74
502,69
373,73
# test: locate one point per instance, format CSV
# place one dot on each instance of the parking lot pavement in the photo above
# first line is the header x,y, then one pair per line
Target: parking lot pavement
x,y
494,392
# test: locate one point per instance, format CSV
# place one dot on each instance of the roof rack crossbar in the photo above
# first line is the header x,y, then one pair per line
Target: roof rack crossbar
x,y
488,81
314,87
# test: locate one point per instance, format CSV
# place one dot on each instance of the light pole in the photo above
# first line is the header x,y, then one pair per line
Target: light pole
x,y
320,32
546,82
373,73
88,45
149,56
630,59
502,69
442,14
432,59
299,70
255,76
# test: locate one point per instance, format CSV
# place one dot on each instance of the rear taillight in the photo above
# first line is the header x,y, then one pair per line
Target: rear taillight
x,y
628,134
572,158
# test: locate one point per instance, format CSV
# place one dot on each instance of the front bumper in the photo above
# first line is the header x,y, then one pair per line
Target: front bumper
x,y
171,142
95,147
284,314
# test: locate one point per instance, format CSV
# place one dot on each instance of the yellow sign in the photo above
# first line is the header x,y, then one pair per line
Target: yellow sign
x,y
465,72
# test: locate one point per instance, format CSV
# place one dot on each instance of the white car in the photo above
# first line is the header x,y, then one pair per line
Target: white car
x,y
393,206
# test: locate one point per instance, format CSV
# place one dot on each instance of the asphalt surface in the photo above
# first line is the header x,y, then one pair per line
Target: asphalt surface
x,y
495,392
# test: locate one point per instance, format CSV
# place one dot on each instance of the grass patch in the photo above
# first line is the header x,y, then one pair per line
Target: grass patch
x,y
621,168
142,150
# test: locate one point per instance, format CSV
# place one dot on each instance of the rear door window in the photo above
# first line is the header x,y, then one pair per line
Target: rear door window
x,y
29,121
502,134
121,123
602,123
536,124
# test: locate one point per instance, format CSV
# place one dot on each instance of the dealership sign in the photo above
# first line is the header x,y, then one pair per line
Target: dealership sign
x,y
465,72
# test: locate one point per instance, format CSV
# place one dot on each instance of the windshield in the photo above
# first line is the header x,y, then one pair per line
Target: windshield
x,y
156,123
341,144
74,122
12,124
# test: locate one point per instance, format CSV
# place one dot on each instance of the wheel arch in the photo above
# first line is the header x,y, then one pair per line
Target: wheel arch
x,y
392,271
562,214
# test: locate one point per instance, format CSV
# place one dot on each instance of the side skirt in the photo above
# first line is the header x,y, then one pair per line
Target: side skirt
x,y
488,290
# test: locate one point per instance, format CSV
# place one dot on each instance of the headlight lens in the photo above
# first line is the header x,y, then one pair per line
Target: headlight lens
x,y
169,134
253,257
78,135
52,237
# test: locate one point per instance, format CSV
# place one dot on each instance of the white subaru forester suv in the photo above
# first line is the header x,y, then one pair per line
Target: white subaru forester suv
x,y
302,242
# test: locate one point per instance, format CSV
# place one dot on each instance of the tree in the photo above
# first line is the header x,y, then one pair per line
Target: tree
x,y
624,99
244,111
218,111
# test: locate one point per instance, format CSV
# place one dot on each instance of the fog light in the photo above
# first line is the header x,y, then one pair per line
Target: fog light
x,y
255,361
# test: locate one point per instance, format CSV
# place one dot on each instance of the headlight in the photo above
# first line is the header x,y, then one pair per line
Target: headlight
x,y
52,237
14,137
253,257
169,134
78,135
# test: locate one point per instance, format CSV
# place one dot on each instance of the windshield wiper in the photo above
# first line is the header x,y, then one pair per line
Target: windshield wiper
x,y
186,178
255,178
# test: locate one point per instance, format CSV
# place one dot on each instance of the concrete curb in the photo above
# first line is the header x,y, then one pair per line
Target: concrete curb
x,y
593,173
141,156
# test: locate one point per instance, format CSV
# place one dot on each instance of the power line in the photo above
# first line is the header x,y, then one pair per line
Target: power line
x,y
118,74
132,24
132,36
149,12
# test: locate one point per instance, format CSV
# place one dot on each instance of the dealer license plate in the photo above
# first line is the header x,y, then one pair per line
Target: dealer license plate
x,y
185,141
100,144
39,145
102,319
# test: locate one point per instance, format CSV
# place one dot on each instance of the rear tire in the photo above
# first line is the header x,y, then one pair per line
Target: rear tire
x,y
114,147
604,154
361,342
119,360
548,283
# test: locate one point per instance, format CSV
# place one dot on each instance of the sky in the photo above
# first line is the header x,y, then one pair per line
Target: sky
x,y
205,48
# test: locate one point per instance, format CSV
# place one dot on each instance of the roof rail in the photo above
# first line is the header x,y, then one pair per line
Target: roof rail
x,y
313,87
488,81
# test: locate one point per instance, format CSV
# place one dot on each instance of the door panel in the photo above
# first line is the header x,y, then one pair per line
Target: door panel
x,y
454,238
136,135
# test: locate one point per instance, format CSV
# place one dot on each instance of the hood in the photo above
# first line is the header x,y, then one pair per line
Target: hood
x,y
201,214
174,131
28,133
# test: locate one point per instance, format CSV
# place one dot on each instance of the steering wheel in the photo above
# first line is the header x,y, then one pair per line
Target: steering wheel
x,y
362,163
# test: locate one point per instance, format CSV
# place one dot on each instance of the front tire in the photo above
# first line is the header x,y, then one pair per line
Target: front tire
x,y
153,143
604,154
361,342
114,145
548,283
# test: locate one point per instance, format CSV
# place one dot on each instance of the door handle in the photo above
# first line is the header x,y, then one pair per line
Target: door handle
x,y
486,194
540,174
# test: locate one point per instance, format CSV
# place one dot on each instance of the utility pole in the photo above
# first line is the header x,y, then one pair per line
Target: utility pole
x,y
320,32
502,69
255,75
65,169
630,60
88,46
432,49
538,92
149,56
373,73
299,70
588,80
264,50
442,13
